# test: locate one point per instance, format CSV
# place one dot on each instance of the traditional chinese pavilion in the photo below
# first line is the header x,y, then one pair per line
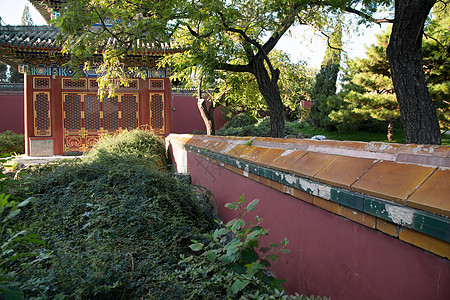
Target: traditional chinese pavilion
x,y
63,115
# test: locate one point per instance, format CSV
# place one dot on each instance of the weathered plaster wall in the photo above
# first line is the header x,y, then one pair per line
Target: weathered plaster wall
x,y
346,247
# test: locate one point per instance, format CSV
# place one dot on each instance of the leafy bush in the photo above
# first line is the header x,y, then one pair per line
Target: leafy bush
x,y
240,120
113,230
260,128
117,228
11,143
137,143
17,246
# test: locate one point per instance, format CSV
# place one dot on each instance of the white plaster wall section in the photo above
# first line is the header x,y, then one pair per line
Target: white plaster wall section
x,y
292,180
324,191
400,215
180,158
308,186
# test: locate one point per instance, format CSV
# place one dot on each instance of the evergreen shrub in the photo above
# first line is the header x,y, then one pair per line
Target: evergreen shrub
x,y
11,143
113,227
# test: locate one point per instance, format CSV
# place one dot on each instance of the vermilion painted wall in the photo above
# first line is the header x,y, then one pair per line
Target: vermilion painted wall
x,y
186,117
330,255
11,112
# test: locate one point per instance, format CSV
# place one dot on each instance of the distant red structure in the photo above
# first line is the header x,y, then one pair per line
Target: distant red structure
x,y
11,108
305,104
186,117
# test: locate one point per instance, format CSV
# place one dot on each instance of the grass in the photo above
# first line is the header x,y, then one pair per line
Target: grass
x,y
362,136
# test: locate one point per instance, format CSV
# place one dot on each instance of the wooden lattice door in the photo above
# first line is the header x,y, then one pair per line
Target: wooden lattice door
x,y
157,113
86,117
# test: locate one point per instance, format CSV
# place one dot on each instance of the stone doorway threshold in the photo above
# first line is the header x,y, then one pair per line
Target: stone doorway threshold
x,y
35,160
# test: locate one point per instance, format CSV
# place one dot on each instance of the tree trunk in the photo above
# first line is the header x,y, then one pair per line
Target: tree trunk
x,y
207,114
271,93
404,52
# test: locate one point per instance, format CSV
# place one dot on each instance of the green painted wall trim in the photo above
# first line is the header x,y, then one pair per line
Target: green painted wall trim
x,y
427,223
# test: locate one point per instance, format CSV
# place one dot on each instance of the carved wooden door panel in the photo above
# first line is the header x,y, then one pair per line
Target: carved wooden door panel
x,y
86,117
157,122
73,127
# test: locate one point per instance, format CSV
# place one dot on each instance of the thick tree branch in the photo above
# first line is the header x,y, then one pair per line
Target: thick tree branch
x,y
368,17
251,41
196,34
285,25
234,68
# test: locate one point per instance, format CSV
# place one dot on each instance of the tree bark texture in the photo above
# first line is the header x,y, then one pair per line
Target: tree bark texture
x,y
268,86
207,115
404,52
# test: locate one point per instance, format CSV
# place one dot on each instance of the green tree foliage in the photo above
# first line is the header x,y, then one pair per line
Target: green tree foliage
x,y
8,74
368,93
436,59
295,82
3,72
237,36
323,91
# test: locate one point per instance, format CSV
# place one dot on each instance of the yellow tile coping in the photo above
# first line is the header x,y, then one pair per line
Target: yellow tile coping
x,y
370,169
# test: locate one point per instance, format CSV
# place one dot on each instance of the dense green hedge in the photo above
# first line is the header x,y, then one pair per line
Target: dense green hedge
x,y
119,226
11,143
114,227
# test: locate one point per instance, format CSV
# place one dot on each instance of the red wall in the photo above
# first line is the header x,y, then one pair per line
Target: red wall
x,y
11,112
186,117
330,255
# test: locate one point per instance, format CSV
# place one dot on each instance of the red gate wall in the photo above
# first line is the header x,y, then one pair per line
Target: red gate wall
x,y
11,111
185,115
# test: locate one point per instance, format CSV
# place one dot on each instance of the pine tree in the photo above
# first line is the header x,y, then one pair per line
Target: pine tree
x,y
436,60
324,90
368,95
26,17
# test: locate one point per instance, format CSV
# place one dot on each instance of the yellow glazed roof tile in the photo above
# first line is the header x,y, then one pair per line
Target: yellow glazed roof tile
x,y
311,163
286,159
252,153
267,157
392,181
434,194
344,171
235,150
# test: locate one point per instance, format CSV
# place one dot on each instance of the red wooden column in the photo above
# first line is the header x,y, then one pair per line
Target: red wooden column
x,y
57,115
168,106
28,111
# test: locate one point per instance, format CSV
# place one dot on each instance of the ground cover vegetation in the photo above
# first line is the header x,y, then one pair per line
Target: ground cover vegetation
x,y
118,225
238,36
11,143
